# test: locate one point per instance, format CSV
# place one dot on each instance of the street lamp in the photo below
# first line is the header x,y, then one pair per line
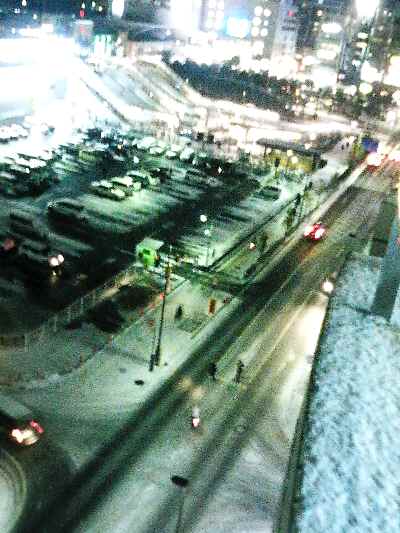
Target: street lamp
x,y
207,233
155,357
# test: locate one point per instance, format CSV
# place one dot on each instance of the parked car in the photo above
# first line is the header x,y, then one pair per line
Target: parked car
x,y
156,150
187,155
126,184
107,190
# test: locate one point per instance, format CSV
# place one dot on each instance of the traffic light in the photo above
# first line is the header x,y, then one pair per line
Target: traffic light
x,y
81,13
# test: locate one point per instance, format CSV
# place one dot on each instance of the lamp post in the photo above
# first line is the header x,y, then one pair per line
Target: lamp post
x,y
307,186
155,357
207,233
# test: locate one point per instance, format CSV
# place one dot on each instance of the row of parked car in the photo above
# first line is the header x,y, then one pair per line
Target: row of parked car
x,y
12,133
121,187
24,174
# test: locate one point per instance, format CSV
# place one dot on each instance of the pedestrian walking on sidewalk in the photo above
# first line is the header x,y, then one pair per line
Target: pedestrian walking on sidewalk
x,y
179,312
212,370
239,371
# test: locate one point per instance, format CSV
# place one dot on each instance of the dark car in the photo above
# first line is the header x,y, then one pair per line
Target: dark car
x,y
18,423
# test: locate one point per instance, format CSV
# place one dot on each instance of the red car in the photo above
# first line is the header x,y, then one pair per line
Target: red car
x,y
315,232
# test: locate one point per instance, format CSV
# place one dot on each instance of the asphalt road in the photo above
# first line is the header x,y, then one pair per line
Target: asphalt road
x,y
126,453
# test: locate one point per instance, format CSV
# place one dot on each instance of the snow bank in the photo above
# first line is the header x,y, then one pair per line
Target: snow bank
x,y
351,458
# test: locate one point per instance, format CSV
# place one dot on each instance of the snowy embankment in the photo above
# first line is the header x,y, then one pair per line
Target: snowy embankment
x,y
348,470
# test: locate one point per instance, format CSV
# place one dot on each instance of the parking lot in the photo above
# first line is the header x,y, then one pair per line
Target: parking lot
x,y
96,197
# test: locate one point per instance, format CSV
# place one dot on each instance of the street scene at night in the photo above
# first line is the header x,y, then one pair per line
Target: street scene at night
x,y
200,266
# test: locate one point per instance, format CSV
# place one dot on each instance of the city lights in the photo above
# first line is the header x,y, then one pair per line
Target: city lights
x,y
366,10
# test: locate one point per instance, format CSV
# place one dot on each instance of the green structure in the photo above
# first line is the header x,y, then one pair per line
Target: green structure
x,y
149,251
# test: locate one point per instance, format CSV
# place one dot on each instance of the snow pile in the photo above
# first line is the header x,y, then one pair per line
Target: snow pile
x,y
396,311
351,455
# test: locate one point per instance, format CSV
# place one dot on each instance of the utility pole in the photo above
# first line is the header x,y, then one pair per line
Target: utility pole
x,y
155,357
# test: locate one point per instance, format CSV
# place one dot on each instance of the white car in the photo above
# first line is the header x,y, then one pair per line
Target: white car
x,y
187,154
107,190
156,150
146,143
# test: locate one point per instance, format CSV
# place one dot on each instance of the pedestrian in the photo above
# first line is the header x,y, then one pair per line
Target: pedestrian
x,y
212,370
179,312
239,370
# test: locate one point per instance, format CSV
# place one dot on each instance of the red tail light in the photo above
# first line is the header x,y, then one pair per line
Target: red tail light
x,y
36,426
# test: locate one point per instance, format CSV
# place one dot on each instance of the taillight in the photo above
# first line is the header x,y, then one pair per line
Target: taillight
x,y
36,426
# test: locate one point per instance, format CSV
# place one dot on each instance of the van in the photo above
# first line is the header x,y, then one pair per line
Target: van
x,y
18,423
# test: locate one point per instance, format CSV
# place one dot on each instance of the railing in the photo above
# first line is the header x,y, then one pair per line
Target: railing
x,y
59,320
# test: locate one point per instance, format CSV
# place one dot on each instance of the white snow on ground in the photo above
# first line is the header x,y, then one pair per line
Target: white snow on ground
x,y
12,492
351,455
6,503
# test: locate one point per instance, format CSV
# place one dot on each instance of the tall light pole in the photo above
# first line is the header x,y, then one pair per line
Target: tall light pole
x,y
155,357
207,233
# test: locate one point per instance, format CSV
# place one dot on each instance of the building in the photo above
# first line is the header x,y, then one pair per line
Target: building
x,y
369,50
312,14
322,39
286,30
